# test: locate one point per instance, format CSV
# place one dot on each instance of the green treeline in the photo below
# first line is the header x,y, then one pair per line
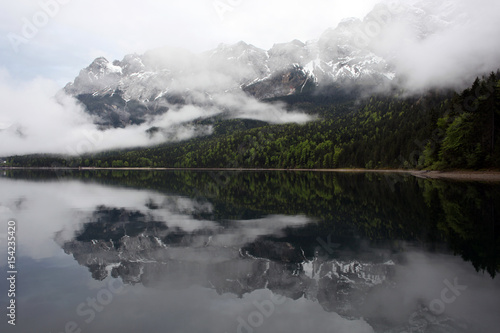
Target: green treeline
x,y
467,133
437,130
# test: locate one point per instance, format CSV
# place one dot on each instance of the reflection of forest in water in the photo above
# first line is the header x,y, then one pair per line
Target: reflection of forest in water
x,y
351,208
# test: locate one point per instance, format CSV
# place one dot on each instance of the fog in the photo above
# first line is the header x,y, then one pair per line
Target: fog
x,y
442,44
461,42
37,118
35,121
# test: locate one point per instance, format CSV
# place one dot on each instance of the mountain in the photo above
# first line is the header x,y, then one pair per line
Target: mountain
x,y
139,87
435,130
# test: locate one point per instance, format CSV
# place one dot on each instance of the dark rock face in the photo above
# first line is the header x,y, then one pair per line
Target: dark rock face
x,y
114,111
288,82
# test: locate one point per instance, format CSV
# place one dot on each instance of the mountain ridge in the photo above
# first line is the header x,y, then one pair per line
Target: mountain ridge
x,y
138,87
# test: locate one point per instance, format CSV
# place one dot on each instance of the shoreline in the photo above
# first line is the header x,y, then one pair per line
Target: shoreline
x,y
482,176
463,175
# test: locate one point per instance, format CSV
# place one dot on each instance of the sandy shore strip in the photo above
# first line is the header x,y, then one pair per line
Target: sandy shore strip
x,y
481,176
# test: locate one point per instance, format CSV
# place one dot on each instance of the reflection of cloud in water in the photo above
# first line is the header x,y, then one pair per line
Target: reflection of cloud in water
x,y
241,232
420,281
156,258
5,210
62,207
48,208
172,243
202,310
387,295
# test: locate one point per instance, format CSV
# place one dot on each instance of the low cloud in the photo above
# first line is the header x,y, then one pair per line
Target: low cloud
x,y
37,118
35,121
245,107
442,43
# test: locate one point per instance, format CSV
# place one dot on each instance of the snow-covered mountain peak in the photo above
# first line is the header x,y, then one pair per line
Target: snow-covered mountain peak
x,y
131,63
240,51
98,75
356,51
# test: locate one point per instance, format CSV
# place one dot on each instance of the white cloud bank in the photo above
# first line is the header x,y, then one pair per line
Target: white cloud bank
x,y
33,120
463,45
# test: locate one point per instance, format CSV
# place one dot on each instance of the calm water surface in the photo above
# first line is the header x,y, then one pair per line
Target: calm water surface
x,y
250,252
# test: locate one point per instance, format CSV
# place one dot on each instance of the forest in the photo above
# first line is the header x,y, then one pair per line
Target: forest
x,y
436,130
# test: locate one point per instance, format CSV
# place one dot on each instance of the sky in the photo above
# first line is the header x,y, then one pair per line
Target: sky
x,y
45,43
76,31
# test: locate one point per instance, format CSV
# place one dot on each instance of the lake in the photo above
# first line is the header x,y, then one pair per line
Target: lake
x,y
213,251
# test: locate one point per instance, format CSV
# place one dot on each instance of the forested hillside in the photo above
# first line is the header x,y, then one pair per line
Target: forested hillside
x,y
435,130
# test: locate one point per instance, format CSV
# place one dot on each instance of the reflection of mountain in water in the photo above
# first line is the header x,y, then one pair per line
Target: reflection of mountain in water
x,y
380,207
134,247
461,216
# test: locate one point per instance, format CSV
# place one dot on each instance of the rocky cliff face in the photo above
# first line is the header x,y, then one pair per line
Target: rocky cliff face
x,y
139,87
